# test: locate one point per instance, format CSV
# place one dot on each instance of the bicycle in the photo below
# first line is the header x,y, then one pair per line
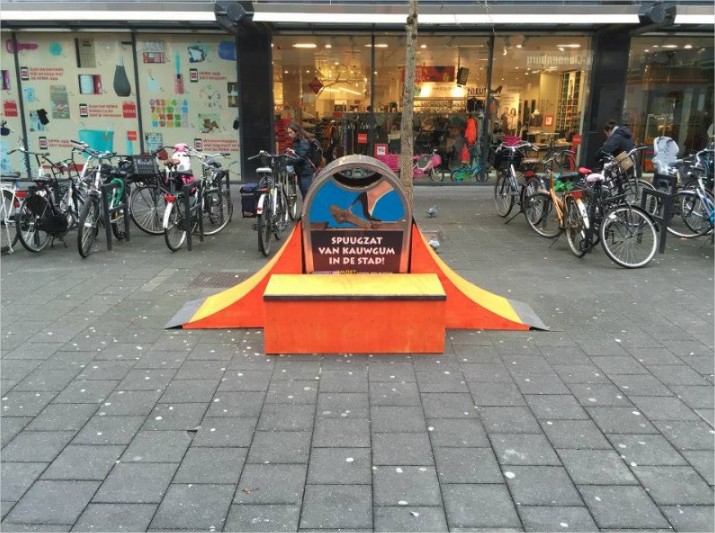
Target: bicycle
x,y
475,170
508,190
272,206
694,206
557,159
546,210
217,207
50,208
183,208
428,165
147,201
93,211
626,232
11,198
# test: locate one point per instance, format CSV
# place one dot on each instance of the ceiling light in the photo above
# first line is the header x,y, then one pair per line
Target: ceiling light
x,y
573,45
89,14
328,45
670,46
377,45
688,46
330,18
531,18
688,18
423,46
305,45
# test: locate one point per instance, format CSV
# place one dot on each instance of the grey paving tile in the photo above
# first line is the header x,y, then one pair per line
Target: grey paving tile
x,y
245,380
601,346
599,395
695,395
25,403
620,420
115,517
10,426
392,372
18,369
397,419
123,403
286,417
236,404
40,528
271,484
559,518
194,507
541,485
624,507
654,356
555,406
703,365
200,370
337,507
690,518
394,394
496,394
46,379
342,432
441,380
575,434
86,391
293,392
527,364
530,383
673,485
677,375
295,369
225,432
189,391
641,385
486,373
406,486
268,518
340,466
32,350
36,446
136,483
643,450
180,416
83,462
213,352
457,433
661,408
157,447
63,417
509,420
596,467
162,359
402,449
703,462
479,506
411,518
211,465
106,370
280,447
614,365
53,502
109,430
523,449
16,478
467,465
342,404
581,373
347,380
689,435
147,379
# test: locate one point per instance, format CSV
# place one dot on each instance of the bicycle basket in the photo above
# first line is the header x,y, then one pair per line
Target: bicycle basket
x,y
145,168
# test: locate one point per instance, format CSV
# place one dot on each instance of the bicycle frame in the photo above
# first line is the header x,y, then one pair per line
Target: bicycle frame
x,y
11,201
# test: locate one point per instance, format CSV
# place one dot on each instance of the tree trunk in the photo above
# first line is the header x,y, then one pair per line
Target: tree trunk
x,y
408,103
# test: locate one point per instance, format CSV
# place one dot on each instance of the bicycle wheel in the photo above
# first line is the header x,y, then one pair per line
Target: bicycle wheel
x,y
217,211
88,227
27,222
503,198
633,189
7,222
542,215
293,198
575,227
690,217
264,233
175,231
628,236
458,175
281,214
565,161
436,175
146,208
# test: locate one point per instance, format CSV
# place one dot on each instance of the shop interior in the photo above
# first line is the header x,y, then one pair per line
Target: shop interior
x,y
326,83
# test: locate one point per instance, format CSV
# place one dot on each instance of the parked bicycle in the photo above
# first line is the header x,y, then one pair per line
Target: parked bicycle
x,y
508,190
476,169
694,206
11,198
217,205
626,232
546,210
52,205
428,165
147,201
272,208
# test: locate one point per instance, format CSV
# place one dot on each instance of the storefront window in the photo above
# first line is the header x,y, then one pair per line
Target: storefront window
x,y
670,90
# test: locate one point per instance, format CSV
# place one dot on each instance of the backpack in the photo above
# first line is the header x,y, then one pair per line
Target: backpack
x,y
315,155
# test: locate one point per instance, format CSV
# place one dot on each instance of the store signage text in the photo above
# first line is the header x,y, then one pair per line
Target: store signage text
x,y
547,60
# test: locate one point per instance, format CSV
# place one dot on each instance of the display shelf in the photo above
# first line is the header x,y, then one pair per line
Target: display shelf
x,y
568,114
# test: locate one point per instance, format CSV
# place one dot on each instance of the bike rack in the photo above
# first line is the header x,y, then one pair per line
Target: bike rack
x,y
663,194
108,212
186,190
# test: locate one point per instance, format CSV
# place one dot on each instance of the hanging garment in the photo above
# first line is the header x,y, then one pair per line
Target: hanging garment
x,y
470,132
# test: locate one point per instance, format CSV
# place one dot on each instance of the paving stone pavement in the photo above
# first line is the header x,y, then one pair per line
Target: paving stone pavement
x,y
604,422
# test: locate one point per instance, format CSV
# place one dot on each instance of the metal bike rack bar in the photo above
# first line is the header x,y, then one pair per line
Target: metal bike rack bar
x,y
186,194
108,212
663,195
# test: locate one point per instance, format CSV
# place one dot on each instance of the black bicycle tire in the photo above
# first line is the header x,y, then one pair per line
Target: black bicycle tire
x,y
19,224
614,216
87,233
211,220
574,227
175,226
263,224
436,175
280,217
155,215
10,217
678,219
292,198
502,189
538,223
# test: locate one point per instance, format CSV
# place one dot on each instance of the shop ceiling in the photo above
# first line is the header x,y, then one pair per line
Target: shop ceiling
x,y
449,15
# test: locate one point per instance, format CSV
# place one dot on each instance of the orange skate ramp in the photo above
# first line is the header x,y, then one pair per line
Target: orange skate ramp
x,y
469,306
241,306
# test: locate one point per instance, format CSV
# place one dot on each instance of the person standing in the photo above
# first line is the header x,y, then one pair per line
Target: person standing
x,y
619,139
303,167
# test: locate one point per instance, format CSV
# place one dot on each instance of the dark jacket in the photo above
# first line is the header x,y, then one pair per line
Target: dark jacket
x,y
302,165
621,140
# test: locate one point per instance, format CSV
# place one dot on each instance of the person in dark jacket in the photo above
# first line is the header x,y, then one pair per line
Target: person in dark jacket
x,y
301,164
620,139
